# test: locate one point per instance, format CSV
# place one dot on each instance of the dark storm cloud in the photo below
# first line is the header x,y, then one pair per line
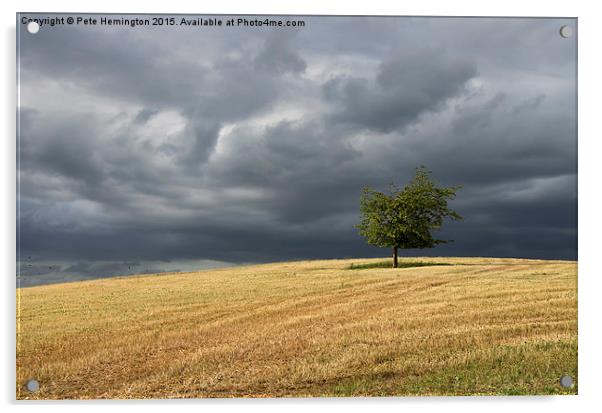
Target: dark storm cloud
x,y
406,85
279,55
306,168
67,150
204,138
145,114
149,147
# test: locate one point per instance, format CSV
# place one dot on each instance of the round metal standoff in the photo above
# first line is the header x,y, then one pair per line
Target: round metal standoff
x,y
33,27
566,31
32,385
566,381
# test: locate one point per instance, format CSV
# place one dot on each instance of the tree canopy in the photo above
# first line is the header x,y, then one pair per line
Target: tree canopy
x,y
406,218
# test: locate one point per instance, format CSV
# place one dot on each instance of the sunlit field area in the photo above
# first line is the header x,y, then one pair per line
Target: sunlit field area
x,y
476,326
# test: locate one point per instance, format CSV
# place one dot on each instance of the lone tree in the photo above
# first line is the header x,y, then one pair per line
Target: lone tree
x,y
406,218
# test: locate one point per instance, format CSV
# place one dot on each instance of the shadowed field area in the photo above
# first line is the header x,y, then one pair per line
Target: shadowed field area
x,y
311,328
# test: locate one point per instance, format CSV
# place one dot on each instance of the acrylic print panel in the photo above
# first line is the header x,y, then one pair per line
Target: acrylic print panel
x,y
292,206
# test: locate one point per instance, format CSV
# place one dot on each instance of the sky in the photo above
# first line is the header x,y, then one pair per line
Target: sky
x,y
175,148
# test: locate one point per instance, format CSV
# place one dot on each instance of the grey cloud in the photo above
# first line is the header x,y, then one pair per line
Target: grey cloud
x,y
198,151
202,143
531,103
57,147
406,85
278,55
144,115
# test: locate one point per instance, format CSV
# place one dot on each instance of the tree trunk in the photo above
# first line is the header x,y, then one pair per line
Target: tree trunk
x,y
394,257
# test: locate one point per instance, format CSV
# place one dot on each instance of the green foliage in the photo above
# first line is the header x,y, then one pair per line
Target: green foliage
x,y
406,218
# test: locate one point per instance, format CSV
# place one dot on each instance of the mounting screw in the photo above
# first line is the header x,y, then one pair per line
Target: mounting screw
x,y
32,385
566,31
33,27
566,381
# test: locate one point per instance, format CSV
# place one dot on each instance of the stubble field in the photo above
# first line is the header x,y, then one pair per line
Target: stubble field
x,y
486,326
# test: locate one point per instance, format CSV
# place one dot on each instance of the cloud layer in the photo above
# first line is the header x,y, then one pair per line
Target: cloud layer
x,y
241,145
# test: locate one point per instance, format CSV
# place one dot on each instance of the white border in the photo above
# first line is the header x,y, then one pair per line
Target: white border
x,y
590,367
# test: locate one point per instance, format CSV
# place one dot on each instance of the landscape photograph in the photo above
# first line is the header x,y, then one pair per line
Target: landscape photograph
x,y
268,206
